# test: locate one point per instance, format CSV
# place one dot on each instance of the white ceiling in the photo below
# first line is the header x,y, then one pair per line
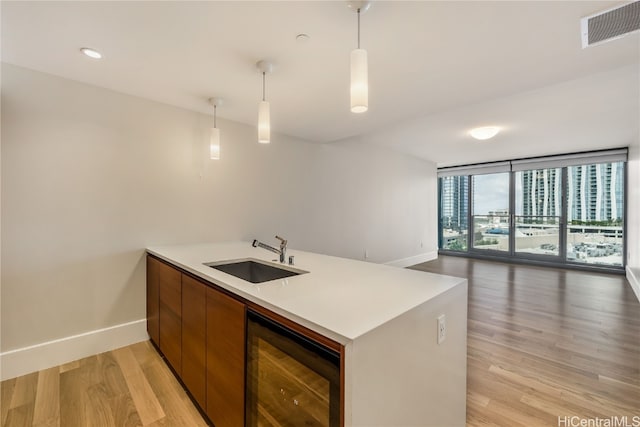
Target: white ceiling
x,y
435,68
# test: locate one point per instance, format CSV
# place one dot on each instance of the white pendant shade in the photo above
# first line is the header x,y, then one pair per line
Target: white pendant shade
x,y
359,81
214,144
264,123
214,138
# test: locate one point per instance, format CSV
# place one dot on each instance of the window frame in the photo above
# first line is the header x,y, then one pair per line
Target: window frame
x,y
563,162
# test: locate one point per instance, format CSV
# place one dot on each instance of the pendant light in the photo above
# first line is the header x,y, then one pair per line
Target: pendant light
x,y
359,66
264,120
214,141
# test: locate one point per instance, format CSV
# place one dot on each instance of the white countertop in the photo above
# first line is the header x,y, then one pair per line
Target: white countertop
x,y
339,298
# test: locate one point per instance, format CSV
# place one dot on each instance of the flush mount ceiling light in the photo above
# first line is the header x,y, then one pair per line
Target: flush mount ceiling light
x,y
359,66
214,141
264,120
485,132
302,38
91,53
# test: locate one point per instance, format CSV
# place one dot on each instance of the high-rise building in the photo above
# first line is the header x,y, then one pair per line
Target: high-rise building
x,y
454,202
541,195
595,192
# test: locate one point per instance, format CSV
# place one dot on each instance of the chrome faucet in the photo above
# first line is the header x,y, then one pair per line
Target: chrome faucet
x,y
282,251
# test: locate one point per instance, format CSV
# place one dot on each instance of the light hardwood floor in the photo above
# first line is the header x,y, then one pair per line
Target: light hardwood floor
x,y
545,343
542,343
130,386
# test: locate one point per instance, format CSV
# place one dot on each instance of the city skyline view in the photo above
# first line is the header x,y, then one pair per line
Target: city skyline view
x,y
593,227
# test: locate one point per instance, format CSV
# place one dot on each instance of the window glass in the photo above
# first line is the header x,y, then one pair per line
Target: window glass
x,y
563,211
454,211
538,211
491,212
595,210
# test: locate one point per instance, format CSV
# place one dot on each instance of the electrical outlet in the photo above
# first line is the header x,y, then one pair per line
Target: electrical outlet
x,y
442,329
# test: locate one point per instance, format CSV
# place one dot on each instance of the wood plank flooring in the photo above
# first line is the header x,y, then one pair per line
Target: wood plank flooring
x,y
543,343
130,386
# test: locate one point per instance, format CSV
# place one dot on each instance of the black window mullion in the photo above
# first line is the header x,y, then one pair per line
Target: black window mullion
x,y
625,194
564,185
512,213
470,214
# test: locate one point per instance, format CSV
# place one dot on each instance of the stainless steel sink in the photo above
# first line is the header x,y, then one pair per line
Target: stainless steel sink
x,y
254,270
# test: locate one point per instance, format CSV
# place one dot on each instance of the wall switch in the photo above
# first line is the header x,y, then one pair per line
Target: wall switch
x,y
442,329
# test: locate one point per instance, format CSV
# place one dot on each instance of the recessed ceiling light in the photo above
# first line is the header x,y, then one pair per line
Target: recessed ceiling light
x,y
91,53
485,132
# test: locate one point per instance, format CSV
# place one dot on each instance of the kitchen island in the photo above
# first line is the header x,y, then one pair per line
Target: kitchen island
x,y
394,372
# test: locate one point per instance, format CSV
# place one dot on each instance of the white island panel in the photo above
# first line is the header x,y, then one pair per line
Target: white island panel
x,y
398,375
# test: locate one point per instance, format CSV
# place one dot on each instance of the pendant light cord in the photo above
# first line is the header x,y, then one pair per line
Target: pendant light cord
x,y
263,86
214,116
358,28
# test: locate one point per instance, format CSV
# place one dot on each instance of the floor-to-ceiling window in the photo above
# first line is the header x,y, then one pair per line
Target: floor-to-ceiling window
x,y
454,212
491,218
563,209
538,202
595,213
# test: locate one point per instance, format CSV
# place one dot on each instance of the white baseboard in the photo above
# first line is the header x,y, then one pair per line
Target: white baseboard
x,y
25,360
633,280
413,260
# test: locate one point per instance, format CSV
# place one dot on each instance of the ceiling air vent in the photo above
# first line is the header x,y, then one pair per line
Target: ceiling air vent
x,y
610,24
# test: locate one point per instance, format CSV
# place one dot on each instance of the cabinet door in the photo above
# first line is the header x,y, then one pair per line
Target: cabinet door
x,y
225,359
194,323
170,284
153,300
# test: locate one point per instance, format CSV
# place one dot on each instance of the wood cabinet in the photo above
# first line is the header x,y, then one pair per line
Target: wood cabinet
x,y
194,323
153,300
170,308
201,333
225,359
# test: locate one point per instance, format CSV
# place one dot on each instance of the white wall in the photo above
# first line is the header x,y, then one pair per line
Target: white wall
x,y
633,218
90,177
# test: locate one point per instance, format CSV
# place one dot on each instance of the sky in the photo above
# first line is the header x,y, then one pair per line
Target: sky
x,y
492,193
